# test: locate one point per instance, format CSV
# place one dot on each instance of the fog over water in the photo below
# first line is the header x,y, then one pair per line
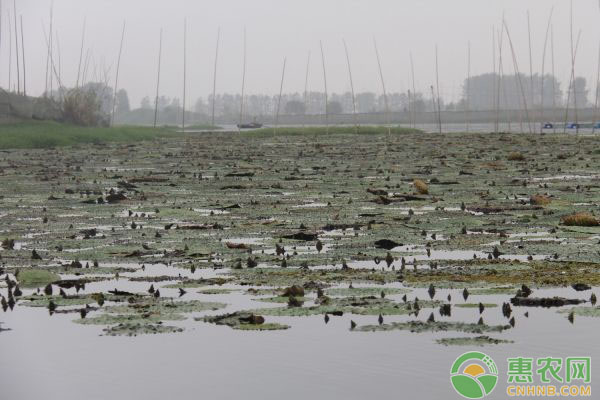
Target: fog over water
x,y
292,29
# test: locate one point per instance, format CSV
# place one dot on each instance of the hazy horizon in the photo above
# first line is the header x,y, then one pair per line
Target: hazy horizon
x,y
292,29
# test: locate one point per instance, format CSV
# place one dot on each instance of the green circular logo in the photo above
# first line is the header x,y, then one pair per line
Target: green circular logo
x,y
474,375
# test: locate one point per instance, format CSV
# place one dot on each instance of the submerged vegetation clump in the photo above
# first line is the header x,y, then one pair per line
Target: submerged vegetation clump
x,y
580,219
421,186
539,200
516,156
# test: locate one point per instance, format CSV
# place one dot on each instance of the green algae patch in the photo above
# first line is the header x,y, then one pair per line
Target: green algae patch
x,y
113,319
35,277
421,327
270,326
139,328
479,341
365,291
38,300
351,305
146,315
502,290
475,305
166,307
246,321
60,301
285,277
197,283
582,311
216,291
539,273
282,299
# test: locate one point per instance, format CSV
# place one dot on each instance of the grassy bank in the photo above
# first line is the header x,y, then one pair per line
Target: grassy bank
x,y
45,134
333,130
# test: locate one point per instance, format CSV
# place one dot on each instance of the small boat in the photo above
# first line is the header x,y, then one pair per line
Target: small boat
x,y
548,125
573,125
251,125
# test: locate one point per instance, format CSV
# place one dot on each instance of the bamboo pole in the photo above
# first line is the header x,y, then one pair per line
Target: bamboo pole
x,y
495,87
306,91
325,84
414,91
17,47
531,89
500,80
23,54
112,119
59,61
351,88
48,54
212,120
53,70
410,111
433,102
9,52
516,66
437,80
468,96
81,53
544,70
597,93
158,78
241,120
573,70
86,66
572,85
279,100
385,99
184,72
553,81
1,15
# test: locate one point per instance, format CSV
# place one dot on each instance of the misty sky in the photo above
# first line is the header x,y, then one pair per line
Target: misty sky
x,y
277,28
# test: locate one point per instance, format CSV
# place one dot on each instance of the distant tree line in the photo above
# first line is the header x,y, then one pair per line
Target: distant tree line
x,y
480,92
483,92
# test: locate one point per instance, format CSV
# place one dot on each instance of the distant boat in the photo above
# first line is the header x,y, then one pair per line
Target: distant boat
x,y
251,125
548,125
573,125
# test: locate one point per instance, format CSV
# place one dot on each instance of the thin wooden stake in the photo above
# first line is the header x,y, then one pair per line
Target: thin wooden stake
x,y
385,99
544,71
597,93
351,88
306,91
212,120
9,52
500,85
414,92
23,54
531,89
241,120
437,80
17,48
325,84
279,100
185,71
158,78
112,119
516,65
553,81
81,53
495,88
468,97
